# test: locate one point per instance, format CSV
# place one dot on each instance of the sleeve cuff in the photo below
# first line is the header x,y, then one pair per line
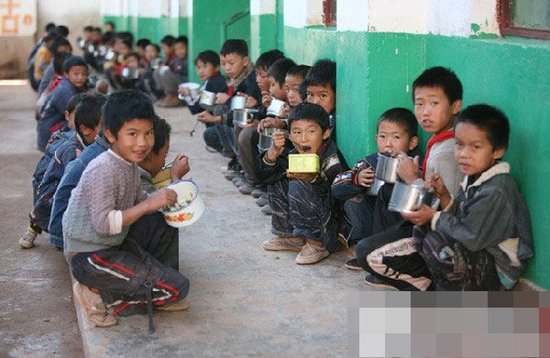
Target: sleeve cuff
x,y
433,224
115,222
450,205
268,163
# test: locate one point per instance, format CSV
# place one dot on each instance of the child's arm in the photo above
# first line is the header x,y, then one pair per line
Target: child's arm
x,y
408,169
346,184
180,167
158,200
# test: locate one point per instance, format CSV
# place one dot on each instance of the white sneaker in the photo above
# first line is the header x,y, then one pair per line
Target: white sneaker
x,y
311,254
27,240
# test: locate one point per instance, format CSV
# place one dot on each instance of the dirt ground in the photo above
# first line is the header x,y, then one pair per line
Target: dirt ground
x,y
37,318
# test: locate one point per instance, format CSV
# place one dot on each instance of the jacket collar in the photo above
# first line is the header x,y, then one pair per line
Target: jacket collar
x,y
497,169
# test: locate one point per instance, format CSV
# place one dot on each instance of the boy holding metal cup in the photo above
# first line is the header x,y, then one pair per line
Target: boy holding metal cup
x,y
359,189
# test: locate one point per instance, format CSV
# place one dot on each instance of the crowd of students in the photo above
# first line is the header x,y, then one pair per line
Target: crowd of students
x,y
103,151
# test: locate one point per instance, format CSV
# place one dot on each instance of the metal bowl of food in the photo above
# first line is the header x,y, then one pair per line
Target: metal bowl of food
x,y
244,116
406,198
386,169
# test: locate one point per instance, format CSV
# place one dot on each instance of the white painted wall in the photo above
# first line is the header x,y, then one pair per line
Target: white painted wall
x,y
352,15
147,8
262,7
302,13
399,16
449,17
484,14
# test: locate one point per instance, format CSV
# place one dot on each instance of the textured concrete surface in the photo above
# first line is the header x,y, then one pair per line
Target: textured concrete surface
x,y
244,301
37,316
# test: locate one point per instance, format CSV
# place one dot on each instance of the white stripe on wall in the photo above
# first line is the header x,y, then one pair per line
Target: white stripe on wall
x,y
262,7
352,15
302,13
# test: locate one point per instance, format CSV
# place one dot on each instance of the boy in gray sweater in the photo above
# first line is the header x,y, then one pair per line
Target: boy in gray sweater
x,y
105,255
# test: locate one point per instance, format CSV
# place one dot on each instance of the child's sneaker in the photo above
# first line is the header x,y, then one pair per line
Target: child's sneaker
x,y
311,254
93,305
27,240
353,264
176,306
284,244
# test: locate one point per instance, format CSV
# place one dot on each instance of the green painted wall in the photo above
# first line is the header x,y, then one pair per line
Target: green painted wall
x,y
207,24
305,46
263,34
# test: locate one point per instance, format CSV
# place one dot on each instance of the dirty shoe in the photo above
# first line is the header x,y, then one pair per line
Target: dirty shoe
x,y
284,244
27,240
311,254
93,305
176,306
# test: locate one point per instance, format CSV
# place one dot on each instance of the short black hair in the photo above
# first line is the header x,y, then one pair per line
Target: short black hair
x,y
168,40
401,116
49,26
74,61
182,39
208,56
60,41
59,59
237,46
88,111
74,101
155,46
309,111
162,134
61,30
88,28
143,43
322,73
110,23
443,78
266,59
124,106
279,69
298,70
489,119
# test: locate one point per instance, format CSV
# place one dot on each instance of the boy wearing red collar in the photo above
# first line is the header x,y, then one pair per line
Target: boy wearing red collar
x,y
390,256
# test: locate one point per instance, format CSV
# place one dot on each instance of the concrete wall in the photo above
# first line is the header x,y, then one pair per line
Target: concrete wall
x,y
74,15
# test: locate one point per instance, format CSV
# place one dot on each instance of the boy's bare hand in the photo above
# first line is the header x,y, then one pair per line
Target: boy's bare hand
x,y
271,122
250,101
285,110
407,169
266,99
162,198
184,91
278,139
180,167
440,190
365,177
301,176
221,98
421,216
207,117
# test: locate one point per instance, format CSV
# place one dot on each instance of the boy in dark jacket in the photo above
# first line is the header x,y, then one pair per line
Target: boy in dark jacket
x,y
299,228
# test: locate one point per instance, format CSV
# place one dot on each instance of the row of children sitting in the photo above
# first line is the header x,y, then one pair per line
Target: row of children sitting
x,y
89,197
144,68
478,237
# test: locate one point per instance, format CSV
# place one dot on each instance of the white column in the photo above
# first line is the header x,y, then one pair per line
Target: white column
x,y
262,7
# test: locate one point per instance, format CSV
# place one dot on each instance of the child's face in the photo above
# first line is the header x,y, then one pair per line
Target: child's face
x,y
166,49
132,62
234,64
64,48
432,109
323,96
133,141
393,138
262,79
205,70
292,88
154,163
151,52
276,89
308,136
77,76
69,117
180,49
473,150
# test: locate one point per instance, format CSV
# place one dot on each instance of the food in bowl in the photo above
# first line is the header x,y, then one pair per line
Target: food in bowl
x,y
189,206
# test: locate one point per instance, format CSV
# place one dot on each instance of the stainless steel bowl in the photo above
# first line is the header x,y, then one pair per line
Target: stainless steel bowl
x,y
406,198
244,116
386,169
375,187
